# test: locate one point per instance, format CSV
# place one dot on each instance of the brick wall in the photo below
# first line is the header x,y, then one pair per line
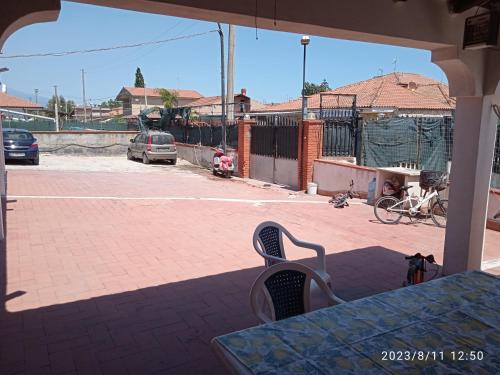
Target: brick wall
x,y
244,138
310,149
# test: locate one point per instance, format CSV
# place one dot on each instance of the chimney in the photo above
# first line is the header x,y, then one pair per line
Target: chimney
x,y
244,92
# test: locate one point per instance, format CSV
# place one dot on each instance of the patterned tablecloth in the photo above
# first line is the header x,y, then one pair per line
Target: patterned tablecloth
x,y
446,326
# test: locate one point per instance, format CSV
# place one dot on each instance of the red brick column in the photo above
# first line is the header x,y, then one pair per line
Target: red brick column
x,y
244,137
310,148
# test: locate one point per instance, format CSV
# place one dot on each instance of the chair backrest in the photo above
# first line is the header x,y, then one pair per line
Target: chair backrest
x,y
268,240
286,291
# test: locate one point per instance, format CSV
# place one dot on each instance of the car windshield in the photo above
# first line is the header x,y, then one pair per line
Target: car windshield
x,y
17,136
162,139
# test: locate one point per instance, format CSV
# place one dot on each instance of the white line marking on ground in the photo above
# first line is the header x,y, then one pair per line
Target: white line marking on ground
x,y
235,200
487,264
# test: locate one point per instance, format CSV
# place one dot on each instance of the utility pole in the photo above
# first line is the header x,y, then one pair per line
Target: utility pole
x,y
36,96
145,96
222,84
230,73
56,108
84,101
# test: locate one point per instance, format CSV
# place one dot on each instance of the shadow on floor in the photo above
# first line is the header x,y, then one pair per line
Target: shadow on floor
x,y
164,329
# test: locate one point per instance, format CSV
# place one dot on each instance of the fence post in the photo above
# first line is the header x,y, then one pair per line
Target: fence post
x,y
310,148
244,142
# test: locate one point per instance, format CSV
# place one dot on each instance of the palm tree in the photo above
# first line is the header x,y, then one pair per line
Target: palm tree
x,y
169,98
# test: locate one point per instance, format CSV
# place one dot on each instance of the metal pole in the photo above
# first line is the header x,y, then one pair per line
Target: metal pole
x,y
230,73
36,96
84,100
223,93
56,109
145,97
304,84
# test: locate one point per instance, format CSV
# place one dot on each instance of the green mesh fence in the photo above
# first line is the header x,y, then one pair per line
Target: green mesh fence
x,y
422,143
37,125
47,125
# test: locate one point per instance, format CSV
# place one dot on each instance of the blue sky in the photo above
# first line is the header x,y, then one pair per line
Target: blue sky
x,y
270,68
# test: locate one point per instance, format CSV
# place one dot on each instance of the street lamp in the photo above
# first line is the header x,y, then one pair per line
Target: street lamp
x,y
304,41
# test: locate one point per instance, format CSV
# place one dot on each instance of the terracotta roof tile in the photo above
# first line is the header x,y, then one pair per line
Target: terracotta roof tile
x,y
395,90
9,101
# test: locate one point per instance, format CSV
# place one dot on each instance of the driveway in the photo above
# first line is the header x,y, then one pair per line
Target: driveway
x,y
117,267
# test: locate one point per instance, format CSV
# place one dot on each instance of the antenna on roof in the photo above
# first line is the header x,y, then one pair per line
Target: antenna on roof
x,y
380,71
395,63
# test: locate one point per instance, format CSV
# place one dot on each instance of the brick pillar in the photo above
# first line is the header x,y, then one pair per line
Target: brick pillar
x,y
244,137
310,149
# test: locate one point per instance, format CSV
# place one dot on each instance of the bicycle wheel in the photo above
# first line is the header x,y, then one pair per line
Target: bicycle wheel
x,y
388,210
439,212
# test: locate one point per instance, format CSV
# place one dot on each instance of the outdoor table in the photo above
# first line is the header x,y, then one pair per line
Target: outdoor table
x,y
445,326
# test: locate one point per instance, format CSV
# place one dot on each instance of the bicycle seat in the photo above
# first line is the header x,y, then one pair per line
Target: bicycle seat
x,y
406,187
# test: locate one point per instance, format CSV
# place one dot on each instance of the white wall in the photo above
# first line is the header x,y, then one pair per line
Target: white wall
x,y
85,143
202,155
335,176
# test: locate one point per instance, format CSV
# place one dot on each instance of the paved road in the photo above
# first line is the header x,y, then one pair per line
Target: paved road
x,y
117,267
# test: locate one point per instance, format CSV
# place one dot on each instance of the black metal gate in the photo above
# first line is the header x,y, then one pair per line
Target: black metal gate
x,y
341,133
275,136
274,150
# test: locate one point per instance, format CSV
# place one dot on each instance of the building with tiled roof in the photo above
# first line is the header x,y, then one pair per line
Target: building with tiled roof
x,y
14,103
406,94
211,105
135,99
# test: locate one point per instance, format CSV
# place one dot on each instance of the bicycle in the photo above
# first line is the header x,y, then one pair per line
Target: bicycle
x,y
390,210
340,200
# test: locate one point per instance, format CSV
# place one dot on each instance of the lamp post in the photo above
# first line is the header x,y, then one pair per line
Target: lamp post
x,y
3,70
304,41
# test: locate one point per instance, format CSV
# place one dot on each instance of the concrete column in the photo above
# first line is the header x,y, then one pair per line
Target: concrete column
x,y
310,148
473,146
244,142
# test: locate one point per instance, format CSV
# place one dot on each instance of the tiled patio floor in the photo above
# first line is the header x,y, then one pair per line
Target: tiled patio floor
x,y
96,284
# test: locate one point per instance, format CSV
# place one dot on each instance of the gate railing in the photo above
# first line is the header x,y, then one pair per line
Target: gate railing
x,y
275,136
340,137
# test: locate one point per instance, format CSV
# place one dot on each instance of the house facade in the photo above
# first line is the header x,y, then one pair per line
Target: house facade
x,y
136,99
13,103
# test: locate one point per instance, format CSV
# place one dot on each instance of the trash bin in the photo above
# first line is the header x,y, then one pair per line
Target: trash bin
x,y
312,188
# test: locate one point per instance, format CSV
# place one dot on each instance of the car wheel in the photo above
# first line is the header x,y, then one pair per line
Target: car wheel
x,y
36,161
173,161
145,158
129,155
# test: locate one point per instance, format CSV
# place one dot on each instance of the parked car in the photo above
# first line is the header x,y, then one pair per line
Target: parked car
x,y
153,145
19,144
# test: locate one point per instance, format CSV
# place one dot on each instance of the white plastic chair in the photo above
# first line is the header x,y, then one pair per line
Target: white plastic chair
x,y
268,242
285,289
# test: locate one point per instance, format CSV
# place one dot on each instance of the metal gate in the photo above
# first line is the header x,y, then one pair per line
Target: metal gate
x,y
341,134
274,150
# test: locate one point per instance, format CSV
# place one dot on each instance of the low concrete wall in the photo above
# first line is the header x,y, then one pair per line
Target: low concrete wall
x,y
335,176
85,143
202,155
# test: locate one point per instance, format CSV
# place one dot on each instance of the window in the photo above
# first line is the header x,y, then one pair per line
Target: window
x,y
162,139
17,136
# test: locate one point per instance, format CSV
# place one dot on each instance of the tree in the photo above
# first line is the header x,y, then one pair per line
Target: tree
x,y
139,79
169,98
111,103
62,105
312,88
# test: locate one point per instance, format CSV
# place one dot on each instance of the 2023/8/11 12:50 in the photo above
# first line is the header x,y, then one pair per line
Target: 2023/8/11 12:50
x,y
421,355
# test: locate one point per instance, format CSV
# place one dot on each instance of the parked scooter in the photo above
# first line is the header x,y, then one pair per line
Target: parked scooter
x,y
222,164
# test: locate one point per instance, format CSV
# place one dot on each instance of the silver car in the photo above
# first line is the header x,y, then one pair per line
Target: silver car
x,y
153,145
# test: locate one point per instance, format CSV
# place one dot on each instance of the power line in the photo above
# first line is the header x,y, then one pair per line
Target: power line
x,y
67,53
